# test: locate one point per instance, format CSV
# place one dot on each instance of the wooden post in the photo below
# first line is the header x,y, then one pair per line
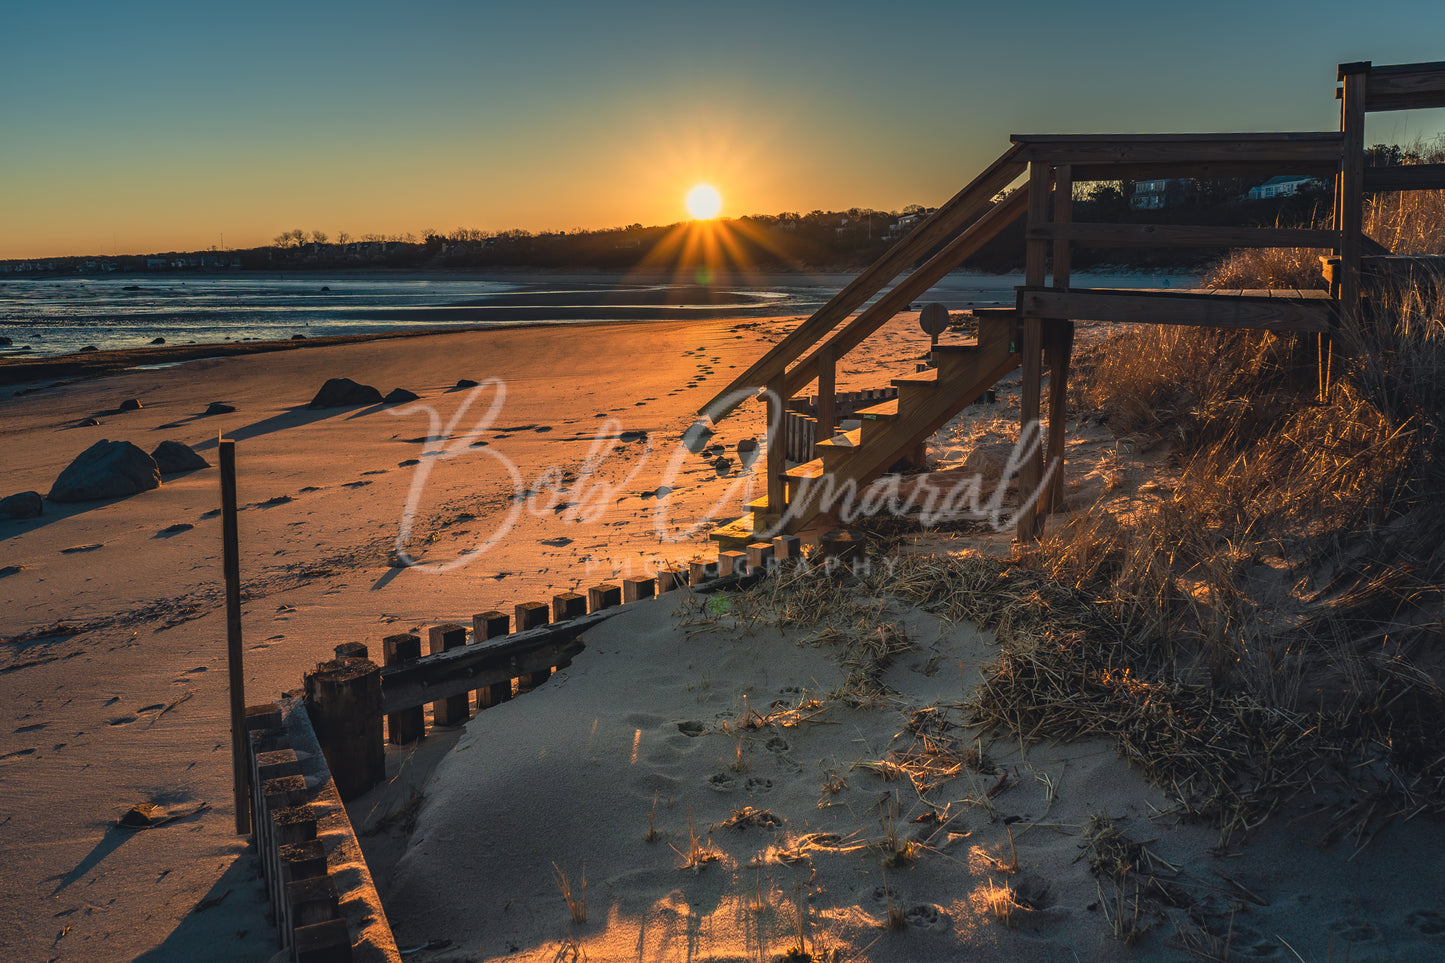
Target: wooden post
x,y
786,547
777,451
699,572
408,725
343,697
568,605
491,625
235,668
351,650
669,579
451,711
731,563
842,544
1035,269
638,588
603,596
760,556
1059,342
827,392
531,615
1349,200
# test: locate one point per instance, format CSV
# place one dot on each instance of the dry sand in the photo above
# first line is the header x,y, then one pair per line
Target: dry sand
x,y
113,675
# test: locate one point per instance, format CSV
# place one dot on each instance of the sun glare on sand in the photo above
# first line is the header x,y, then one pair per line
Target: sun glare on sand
x,y
703,202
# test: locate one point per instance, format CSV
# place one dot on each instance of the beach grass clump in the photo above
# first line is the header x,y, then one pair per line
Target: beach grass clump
x,y
574,896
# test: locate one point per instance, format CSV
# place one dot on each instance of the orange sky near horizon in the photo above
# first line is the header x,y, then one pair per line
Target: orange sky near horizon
x,y
161,126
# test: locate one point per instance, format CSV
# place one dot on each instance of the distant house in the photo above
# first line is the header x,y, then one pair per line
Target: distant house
x,y
1154,194
1283,186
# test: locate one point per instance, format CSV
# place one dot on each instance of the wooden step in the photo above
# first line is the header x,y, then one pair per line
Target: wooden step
x,y
808,469
880,412
915,388
736,535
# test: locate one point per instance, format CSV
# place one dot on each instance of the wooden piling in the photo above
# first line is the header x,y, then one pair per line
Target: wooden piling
x,y
451,711
638,588
490,625
343,699
408,725
568,605
760,556
235,668
531,615
603,596
352,650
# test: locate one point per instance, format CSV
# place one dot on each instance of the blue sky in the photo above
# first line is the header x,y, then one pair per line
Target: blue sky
x,y
156,126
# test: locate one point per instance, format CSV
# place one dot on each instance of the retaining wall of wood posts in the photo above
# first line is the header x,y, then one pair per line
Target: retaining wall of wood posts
x,y
322,896
309,754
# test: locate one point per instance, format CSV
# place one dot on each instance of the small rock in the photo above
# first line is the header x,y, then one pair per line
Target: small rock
x,y
130,404
345,393
23,505
10,570
399,396
176,529
298,337
142,815
219,408
748,452
107,469
77,549
158,340
467,383
723,464
89,423
89,347
174,456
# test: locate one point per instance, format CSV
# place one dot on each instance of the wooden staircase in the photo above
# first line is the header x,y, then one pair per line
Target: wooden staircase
x,y
849,460
1037,334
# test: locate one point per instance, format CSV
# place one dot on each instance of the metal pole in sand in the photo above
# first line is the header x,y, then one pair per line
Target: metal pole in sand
x,y
231,565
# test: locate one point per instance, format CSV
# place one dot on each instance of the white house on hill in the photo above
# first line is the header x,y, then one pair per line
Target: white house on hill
x,y
1283,186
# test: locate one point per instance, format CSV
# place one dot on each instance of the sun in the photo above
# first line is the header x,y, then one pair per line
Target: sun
x,y
703,202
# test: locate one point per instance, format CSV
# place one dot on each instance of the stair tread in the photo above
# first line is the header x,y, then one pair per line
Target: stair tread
x,y
735,530
847,439
916,380
808,469
966,347
888,409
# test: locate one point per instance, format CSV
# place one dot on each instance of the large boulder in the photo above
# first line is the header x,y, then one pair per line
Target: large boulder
x,y
107,469
174,456
23,505
345,393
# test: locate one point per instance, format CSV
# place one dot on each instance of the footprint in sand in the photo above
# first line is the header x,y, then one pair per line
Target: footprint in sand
x,y
777,744
35,728
76,549
175,529
408,463
722,782
358,484
691,728
121,720
377,471
16,754
758,784
1354,931
929,917
1426,922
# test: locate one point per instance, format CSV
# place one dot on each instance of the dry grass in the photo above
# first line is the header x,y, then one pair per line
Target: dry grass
x,y
576,899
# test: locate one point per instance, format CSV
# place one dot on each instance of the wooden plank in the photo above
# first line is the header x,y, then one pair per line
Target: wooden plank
x,y
1405,87
961,210
1281,313
1283,149
1183,235
1201,169
486,663
904,292
1411,177
1058,338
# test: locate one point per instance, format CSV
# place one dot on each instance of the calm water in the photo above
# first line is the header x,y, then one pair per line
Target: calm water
x,y
58,315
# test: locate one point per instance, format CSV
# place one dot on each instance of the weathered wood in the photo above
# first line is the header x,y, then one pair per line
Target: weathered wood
x,y
408,725
303,860
760,556
1349,193
1287,150
603,596
669,579
958,212
313,900
351,650
1058,338
284,791
1224,311
972,240
453,710
1411,177
532,615
490,625
568,605
786,547
235,668
1403,86
485,663
344,702
1036,254
842,544
700,572
328,942
732,563
1204,170
827,365
638,588
1182,235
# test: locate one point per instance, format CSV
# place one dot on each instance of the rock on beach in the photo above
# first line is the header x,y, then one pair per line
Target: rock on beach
x,y
345,393
107,469
174,456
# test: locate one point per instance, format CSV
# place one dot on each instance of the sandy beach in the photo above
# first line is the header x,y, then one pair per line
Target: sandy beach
x,y
706,764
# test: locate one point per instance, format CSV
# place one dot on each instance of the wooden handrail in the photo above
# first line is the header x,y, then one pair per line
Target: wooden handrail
x,y
1184,235
978,234
961,210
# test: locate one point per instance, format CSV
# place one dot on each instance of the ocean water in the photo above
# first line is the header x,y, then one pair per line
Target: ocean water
x,y
51,316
